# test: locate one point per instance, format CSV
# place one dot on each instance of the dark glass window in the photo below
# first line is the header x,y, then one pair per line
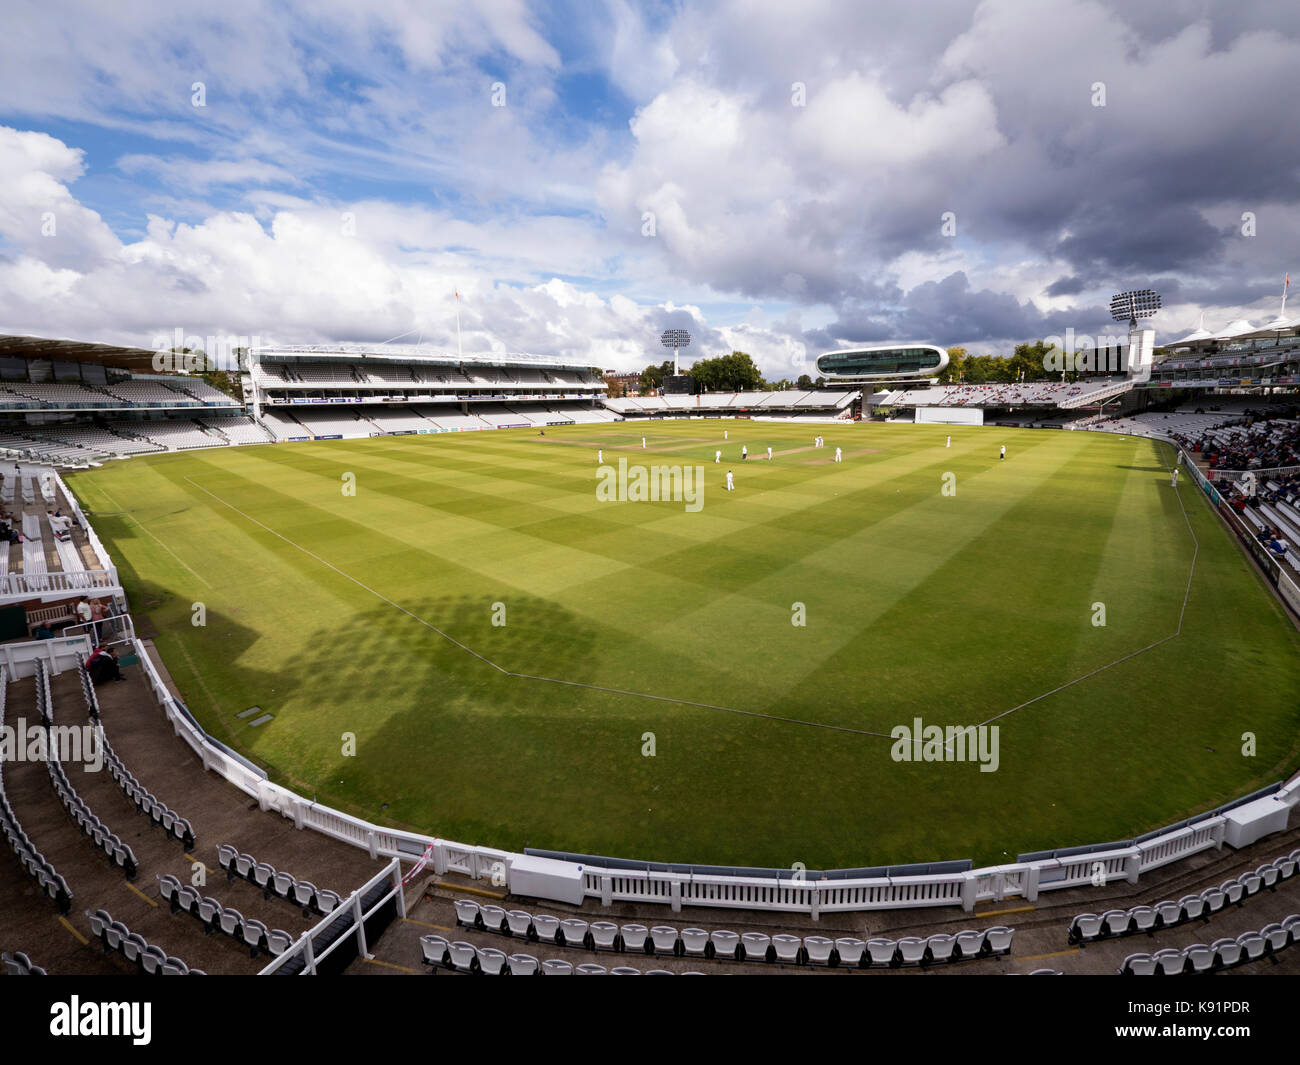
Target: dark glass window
x,y
885,361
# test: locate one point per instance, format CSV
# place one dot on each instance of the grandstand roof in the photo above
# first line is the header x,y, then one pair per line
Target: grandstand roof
x,y
1239,328
137,360
414,353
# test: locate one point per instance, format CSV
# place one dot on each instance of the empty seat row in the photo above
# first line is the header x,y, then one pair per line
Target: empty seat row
x,y
153,960
440,953
780,949
217,918
279,884
20,965
1221,954
118,852
88,692
38,867
1089,927
159,813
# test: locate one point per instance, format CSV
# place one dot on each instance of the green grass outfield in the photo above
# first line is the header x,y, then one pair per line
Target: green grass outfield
x,y
953,608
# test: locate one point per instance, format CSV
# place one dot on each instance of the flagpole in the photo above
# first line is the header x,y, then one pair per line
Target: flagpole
x,y
1286,285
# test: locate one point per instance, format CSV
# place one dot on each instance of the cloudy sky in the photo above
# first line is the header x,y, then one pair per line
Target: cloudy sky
x,y
780,178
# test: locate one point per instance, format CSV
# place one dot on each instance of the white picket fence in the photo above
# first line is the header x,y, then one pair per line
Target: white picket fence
x,y
964,889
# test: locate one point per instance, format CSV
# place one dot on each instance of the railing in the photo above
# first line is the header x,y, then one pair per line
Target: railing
x,y
108,632
59,654
38,584
305,947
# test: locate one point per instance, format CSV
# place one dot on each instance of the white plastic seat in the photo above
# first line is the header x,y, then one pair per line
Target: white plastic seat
x,y
175,967
132,945
1252,944
724,943
1214,899
882,950
1115,922
634,936
1276,937
1200,956
1193,906
694,940
114,933
664,938
624,970
304,893
574,930
755,945
1233,890
818,949
1285,867
659,972
263,874
167,887
912,950
1292,924
1144,918
523,965
1268,874
231,921
1169,912
604,934
590,969
278,941
555,967
1251,883
1084,927
1139,965
463,956
970,943
153,959
1226,952
1169,961
254,933
494,917
327,901
434,949
226,855
940,946
787,947
466,912
546,927
491,962
999,939
850,949
244,865
520,922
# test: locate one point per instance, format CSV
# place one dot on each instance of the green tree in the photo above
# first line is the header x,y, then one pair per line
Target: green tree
x,y
727,373
805,382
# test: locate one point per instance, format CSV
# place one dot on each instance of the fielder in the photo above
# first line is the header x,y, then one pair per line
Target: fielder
x,y
1003,453
717,457
731,485
949,443
839,455
600,456
769,453
1174,482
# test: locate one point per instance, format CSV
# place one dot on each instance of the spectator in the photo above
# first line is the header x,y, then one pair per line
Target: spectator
x,y
102,666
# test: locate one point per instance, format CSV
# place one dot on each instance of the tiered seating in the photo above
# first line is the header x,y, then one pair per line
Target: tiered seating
x,y
239,430
397,420
117,852
38,867
302,893
20,965
153,960
449,418
1139,920
149,394
34,570
178,436
846,952
103,442
1221,954
200,390
61,394
217,918
327,423
159,813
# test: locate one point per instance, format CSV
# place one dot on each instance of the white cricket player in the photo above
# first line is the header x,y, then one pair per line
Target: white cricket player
x,y
724,434
839,455
1174,482
744,451
643,443
717,457
949,443
731,485
769,452
1003,453
600,456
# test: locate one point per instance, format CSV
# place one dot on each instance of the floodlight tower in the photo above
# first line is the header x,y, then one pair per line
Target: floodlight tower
x,y
1141,303
675,338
